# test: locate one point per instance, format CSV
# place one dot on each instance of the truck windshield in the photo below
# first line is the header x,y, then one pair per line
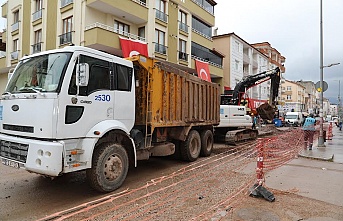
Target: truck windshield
x,y
38,74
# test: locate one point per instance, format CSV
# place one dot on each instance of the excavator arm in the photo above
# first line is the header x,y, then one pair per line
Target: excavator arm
x,y
253,80
233,97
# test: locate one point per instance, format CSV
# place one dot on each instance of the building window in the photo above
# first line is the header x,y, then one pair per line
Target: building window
x,y
201,27
205,54
289,88
236,65
141,33
14,53
160,42
161,10
183,21
182,50
289,97
38,10
15,25
121,28
66,36
236,46
37,46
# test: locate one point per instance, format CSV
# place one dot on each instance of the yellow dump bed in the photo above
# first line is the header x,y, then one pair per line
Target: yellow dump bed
x,y
167,96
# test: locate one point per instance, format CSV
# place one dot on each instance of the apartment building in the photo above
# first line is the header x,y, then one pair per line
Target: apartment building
x,y
293,96
311,102
274,57
242,59
175,31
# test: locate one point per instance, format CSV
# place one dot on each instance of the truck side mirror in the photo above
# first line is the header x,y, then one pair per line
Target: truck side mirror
x,y
82,74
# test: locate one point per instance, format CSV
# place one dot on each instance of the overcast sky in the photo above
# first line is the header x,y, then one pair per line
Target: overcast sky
x,y
293,28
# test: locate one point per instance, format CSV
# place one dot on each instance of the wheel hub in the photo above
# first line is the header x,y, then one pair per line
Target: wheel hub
x,y
113,167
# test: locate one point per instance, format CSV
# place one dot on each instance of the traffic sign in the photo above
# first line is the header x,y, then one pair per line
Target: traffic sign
x,y
325,86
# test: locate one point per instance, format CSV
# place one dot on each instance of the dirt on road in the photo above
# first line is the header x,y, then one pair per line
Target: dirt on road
x,y
212,188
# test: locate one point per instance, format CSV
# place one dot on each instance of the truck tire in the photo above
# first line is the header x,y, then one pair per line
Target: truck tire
x,y
110,165
190,148
206,143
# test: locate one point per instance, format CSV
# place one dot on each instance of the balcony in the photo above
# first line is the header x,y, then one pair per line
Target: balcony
x,y
37,15
162,49
183,27
66,2
66,38
106,38
36,47
4,8
246,59
14,55
161,16
183,56
134,11
199,11
15,27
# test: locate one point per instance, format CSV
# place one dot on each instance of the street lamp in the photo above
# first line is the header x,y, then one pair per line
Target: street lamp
x,y
321,132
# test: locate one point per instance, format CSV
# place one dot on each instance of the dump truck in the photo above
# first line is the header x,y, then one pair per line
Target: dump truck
x,y
77,108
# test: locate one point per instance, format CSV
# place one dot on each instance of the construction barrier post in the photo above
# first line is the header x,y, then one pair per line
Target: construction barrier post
x,y
259,168
330,132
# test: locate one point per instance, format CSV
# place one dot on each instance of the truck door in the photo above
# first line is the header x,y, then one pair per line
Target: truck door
x,y
80,110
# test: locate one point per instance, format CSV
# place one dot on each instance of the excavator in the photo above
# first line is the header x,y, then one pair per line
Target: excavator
x,y
235,123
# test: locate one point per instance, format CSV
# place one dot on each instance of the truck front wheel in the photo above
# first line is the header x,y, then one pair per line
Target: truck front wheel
x,y
110,165
190,148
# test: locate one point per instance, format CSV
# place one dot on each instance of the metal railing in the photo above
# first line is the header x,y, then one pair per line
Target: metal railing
x,y
14,55
183,56
210,62
143,3
36,47
66,2
66,38
161,15
15,26
111,29
162,49
183,27
202,34
37,15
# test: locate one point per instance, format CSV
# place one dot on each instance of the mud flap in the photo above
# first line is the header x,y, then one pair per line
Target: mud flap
x,y
260,191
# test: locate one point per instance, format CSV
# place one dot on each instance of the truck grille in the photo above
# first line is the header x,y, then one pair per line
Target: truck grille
x,y
18,128
14,151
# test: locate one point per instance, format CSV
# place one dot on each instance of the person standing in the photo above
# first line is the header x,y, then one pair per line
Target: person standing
x,y
254,121
309,129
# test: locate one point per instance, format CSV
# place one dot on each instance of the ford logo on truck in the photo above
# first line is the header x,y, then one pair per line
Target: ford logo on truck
x,y
15,107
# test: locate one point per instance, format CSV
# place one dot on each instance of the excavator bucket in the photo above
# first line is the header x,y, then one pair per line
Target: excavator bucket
x,y
266,111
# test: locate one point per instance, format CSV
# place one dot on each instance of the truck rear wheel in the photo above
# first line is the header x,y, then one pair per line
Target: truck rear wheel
x,y
190,148
110,165
206,143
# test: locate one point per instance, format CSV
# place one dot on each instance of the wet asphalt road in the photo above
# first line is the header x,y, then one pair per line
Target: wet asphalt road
x,y
27,196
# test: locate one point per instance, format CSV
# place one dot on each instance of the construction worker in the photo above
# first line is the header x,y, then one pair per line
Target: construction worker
x,y
309,129
254,121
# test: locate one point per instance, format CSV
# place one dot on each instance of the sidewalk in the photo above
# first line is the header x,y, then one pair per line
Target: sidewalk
x,y
333,150
307,188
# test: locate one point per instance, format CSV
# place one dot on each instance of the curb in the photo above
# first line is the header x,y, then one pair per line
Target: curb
x,y
330,159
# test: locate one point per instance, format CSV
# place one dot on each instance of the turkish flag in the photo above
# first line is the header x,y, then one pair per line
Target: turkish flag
x,y
203,70
131,47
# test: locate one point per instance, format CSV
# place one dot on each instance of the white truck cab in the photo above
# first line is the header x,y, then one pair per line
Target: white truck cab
x,y
59,103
